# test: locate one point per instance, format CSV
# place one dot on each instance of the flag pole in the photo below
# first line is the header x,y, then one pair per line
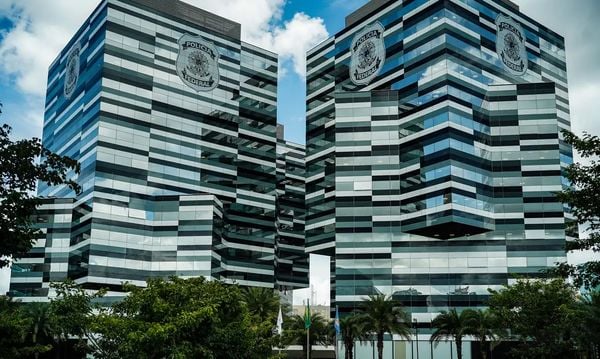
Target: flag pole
x,y
308,329
279,328
336,346
337,331
307,343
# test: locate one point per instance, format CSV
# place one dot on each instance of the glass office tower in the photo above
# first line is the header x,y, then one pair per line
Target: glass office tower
x,y
173,119
434,152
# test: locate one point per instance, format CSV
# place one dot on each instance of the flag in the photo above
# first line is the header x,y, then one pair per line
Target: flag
x,y
280,322
336,324
307,315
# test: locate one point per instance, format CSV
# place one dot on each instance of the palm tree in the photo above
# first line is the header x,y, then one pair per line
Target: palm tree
x,y
452,325
41,329
14,327
262,302
294,331
385,315
352,328
482,324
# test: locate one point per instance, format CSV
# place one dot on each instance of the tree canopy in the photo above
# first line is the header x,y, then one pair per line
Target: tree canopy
x,y
483,326
174,318
541,316
583,198
589,331
385,315
181,318
262,302
353,327
178,318
26,331
294,331
452,325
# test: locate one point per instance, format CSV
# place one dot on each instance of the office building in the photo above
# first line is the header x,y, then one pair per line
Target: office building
x,y
434,152
173,119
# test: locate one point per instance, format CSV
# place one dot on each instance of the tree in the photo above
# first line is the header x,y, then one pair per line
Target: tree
x,y
294,331
263,305
583,197
385,315
589,339
73,313
20,172
452,325
175,318
262,302
352,328
13,329
15,326
541,315
482,324
41,328
179,318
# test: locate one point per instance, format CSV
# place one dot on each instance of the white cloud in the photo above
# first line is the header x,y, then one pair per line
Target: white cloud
x,y
41,29
256,16
297,37
584,105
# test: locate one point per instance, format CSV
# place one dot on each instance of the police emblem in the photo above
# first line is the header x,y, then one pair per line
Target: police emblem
x,y
510,45
72,71
198,63
368,54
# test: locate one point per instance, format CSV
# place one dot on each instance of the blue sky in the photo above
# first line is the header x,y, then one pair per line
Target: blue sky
x,y
32,32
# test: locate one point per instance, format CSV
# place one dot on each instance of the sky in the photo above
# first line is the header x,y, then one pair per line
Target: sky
x,y
32,33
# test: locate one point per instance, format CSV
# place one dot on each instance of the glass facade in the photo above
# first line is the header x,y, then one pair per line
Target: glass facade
x,y
175,181
292,262
436,181
48,260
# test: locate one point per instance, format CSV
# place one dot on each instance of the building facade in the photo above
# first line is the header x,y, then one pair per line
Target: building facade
x,y
292,267
173,119
434,151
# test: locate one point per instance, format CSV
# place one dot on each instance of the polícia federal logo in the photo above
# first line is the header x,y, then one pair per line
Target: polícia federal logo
x,y
368,54
510,45
72,70
198,63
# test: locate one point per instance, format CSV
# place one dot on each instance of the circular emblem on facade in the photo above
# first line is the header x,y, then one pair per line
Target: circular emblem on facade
x,y
368,54
510,45
72,70
198,63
